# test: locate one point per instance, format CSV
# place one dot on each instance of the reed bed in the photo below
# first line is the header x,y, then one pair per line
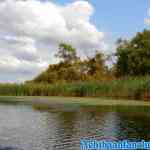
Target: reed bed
x,y
129,87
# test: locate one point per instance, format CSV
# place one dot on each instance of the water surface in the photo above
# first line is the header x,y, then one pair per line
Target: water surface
x,y
61,128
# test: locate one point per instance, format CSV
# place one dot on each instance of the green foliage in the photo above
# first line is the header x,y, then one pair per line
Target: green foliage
x,y
96,67
130,88
74,71
133,57
67,53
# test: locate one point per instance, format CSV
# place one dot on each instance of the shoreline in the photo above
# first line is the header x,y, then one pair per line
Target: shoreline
x,y
82,101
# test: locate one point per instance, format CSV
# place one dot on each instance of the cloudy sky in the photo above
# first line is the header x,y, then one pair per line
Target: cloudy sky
x,y
30,30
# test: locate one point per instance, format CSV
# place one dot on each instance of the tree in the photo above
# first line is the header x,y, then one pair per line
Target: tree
x,y
96,68
67,53
72,69
133,57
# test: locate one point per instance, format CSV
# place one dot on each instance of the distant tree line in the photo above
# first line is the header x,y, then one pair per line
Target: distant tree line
x,y
71,68
132,59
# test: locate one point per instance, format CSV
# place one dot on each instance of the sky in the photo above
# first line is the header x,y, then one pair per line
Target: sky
x,y
31,30
119,18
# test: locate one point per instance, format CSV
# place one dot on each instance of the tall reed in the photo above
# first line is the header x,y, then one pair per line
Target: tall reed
x,y
130,87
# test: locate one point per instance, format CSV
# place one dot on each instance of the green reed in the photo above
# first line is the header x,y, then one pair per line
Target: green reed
x,y
129,87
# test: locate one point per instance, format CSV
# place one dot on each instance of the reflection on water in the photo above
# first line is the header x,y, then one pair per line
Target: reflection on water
x,y
29,129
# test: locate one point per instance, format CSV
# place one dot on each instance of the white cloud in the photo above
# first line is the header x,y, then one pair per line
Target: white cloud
x,y
147,20
31,30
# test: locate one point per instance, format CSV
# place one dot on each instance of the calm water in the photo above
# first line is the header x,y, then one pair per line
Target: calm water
x,y
26,128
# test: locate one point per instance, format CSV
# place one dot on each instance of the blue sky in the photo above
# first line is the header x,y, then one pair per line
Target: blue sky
x,y
119,18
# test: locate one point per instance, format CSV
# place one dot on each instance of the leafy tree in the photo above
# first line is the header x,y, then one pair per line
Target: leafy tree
x,y
67,53
72,69
133,57
96,66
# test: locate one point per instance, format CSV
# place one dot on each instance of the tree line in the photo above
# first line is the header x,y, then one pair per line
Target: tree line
x,y
132,59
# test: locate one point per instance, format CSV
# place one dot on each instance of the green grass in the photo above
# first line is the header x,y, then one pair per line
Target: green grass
x,y
126,88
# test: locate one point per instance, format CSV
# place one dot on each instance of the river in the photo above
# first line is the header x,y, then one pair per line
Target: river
x,y
23,127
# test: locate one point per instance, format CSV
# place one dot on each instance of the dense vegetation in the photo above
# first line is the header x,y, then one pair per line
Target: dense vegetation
x,y
72,76
133,57
133,88
72,69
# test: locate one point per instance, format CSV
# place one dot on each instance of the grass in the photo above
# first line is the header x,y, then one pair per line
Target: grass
x,y
127,88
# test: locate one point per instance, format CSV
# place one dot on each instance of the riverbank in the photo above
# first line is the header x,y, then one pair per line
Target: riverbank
x,y
126,88
72,101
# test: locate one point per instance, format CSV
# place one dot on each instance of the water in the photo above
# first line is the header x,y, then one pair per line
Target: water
x,y
26,128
